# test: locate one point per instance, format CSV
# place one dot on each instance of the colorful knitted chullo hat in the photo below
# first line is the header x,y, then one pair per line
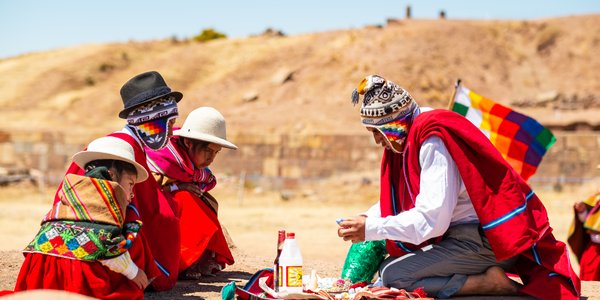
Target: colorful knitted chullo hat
x,y
386,107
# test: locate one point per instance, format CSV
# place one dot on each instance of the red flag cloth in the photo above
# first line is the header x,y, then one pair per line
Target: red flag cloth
x,y
511,215
200,231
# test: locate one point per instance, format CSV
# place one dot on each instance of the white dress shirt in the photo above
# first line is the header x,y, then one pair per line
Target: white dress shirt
x,y
442,201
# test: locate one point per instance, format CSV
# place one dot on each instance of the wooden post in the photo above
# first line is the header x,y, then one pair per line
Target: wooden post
x,y
451,103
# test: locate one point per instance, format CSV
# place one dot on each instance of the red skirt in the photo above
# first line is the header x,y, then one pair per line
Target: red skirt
x,y
200,231
589,264
90,278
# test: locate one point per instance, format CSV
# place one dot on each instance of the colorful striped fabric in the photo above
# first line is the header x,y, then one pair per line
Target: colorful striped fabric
x,y
521,140
106,192
78,207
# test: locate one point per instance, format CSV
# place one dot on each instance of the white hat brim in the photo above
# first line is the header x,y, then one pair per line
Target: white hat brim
x,y
83,157
205,137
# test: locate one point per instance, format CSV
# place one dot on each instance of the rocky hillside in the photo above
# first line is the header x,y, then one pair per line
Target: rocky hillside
x,y
270,84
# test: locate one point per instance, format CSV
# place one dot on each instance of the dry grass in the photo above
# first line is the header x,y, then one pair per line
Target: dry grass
x,y
497,58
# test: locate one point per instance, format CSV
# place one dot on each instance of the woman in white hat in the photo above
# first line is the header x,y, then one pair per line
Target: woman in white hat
x,y
82,245
182,170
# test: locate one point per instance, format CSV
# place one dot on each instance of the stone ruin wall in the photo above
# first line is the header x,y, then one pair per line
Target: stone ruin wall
x,y
572,160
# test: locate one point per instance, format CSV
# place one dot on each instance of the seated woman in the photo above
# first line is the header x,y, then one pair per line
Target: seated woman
x,y
584,237
83,243
182,170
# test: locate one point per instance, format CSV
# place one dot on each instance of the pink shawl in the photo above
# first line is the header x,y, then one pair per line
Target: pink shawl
x,y
173,161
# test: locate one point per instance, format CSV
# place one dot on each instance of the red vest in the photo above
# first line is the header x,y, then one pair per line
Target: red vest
x,y
511,215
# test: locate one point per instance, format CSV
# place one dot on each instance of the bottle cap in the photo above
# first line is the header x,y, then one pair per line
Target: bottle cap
x,y
290,235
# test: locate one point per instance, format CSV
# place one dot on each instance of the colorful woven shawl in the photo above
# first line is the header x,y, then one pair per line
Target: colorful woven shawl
x,y
83,240
87,223
174,162
89,199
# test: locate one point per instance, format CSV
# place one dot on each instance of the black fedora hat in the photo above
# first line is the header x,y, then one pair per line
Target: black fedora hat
x,y
144,88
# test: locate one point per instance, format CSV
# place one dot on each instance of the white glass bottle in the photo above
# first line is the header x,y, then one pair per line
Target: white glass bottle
x,y
290,264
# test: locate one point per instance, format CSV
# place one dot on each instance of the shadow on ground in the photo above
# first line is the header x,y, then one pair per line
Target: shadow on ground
x,y
203,288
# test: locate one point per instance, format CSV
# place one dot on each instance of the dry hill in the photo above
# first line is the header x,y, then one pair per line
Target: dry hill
x,y
267,84
300,85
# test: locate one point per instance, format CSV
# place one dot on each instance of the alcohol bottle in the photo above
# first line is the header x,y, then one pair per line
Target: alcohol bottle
x,y
290,264
276,268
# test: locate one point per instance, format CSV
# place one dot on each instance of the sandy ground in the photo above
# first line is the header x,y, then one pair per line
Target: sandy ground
x,y
252,218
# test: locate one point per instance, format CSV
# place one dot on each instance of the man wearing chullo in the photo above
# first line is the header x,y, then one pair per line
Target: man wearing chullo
x,y
455,216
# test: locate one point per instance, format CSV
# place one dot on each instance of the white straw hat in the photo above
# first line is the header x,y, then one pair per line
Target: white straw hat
x,y
110,147
205,124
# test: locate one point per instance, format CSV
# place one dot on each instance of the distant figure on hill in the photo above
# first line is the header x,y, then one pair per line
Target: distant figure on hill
x,y
182,171
455,216
584,237
82,245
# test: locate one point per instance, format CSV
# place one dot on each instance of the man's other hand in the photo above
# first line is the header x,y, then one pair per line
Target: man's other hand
x,y
352,229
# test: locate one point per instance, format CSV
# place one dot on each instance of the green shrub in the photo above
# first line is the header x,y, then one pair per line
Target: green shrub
x,y
208,35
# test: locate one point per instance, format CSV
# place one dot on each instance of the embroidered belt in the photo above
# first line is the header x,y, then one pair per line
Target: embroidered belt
x,y
77,240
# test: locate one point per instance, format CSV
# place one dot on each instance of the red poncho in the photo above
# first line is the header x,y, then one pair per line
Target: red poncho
x,y
513,218
200,228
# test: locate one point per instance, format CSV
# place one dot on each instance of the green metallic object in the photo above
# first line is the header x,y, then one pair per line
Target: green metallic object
x,y
363,260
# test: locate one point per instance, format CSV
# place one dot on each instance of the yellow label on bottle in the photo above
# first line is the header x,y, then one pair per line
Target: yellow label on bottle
x,y
280,272
293,276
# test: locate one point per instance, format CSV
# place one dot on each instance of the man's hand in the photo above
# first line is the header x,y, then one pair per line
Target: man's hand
x,y
352,229
579,206
141,280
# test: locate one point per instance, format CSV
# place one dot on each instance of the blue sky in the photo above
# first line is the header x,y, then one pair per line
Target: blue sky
x,y
38,25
